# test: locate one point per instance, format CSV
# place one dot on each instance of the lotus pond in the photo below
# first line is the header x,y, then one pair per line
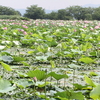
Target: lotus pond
x,y
49,60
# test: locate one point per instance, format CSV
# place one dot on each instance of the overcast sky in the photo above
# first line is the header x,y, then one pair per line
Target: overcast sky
x,y
46,4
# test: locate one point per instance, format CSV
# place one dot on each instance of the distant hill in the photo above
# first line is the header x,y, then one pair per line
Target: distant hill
x,y
49,11
22,11
92,5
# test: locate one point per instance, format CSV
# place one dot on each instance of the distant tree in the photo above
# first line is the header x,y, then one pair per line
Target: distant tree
x,y
96,14
62,14
34,12
88,16
89,13
53,15
77,12
18,12
8,11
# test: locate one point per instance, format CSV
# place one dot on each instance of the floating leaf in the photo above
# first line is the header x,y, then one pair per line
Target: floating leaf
x,y
24,83
86,60
25,63
22,74
7,67
40,75
18,59
76,51
93,74
77,96
58,76
74,66
70,95
63,44
95,93
42,48
42,84
89,81
30,52
64,94
5,86
16,42
8,59
51,43
79,86
42,58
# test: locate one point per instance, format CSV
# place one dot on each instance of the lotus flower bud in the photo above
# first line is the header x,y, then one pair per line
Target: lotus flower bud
x,y
35,79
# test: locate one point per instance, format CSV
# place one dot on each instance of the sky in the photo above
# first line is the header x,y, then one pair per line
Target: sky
x,y
46,4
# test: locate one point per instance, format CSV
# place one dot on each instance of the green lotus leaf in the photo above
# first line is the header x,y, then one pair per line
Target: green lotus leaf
x,y
5,86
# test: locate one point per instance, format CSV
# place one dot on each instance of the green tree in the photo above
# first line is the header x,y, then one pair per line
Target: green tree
x,y
62,14
96,14
8,11
88,13
76,12
35,12
88,16
53,15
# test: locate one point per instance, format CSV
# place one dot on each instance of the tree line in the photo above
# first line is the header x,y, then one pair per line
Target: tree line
x,y
72,12
8,11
